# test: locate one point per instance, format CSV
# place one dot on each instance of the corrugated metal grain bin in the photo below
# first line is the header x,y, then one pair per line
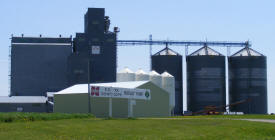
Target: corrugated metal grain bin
x,y
248,80
170,61
141,75
155,78
205,79
168,84
125,75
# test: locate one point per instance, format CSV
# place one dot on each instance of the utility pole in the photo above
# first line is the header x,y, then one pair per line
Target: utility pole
x,y
89,88
150,51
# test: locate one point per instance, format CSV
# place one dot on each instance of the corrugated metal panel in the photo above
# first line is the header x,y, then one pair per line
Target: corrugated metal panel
x,y
173,65
248,80
205,81
23,99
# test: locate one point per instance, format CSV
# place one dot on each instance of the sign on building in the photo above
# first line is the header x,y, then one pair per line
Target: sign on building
x,y
95,49
112,92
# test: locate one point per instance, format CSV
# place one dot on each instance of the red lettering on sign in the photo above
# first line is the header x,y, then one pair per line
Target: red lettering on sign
x,y
95,91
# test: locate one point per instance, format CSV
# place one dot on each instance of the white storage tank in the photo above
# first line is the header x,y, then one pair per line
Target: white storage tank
x,y
142,76
168,84
125,75
155,78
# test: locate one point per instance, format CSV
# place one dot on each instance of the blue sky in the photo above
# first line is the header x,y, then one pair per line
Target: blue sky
x,y
231,20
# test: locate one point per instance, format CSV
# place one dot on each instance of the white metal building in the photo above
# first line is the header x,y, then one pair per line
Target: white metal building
x,y
75,100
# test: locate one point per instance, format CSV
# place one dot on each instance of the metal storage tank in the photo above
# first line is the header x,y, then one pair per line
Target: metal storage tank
x,y
170,61
125,75
248,81
155,78
141,75
205,79
168,84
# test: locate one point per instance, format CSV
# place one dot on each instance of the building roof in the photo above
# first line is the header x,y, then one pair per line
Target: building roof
x,y
140,71
166,51
23,99
247,52
166,74
50,94
126,70
205,51
83,88
154,73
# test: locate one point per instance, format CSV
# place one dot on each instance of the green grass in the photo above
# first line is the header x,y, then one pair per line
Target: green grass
x,y
45,126
137,129
231,116
19,117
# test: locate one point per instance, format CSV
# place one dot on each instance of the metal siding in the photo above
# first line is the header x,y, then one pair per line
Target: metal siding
x,y
173,65
77,71
103,65
205,82
94,22
71,103
40,40
248,79
37,69
27,107
158,106
80,43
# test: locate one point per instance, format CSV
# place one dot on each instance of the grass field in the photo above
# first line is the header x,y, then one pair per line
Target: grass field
x,y
137,129
27,117
231,116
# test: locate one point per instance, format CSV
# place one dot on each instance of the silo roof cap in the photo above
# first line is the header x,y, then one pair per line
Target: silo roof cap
x,y
247,52
166,74
140,71
154,73
205,51
166,51
126,70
